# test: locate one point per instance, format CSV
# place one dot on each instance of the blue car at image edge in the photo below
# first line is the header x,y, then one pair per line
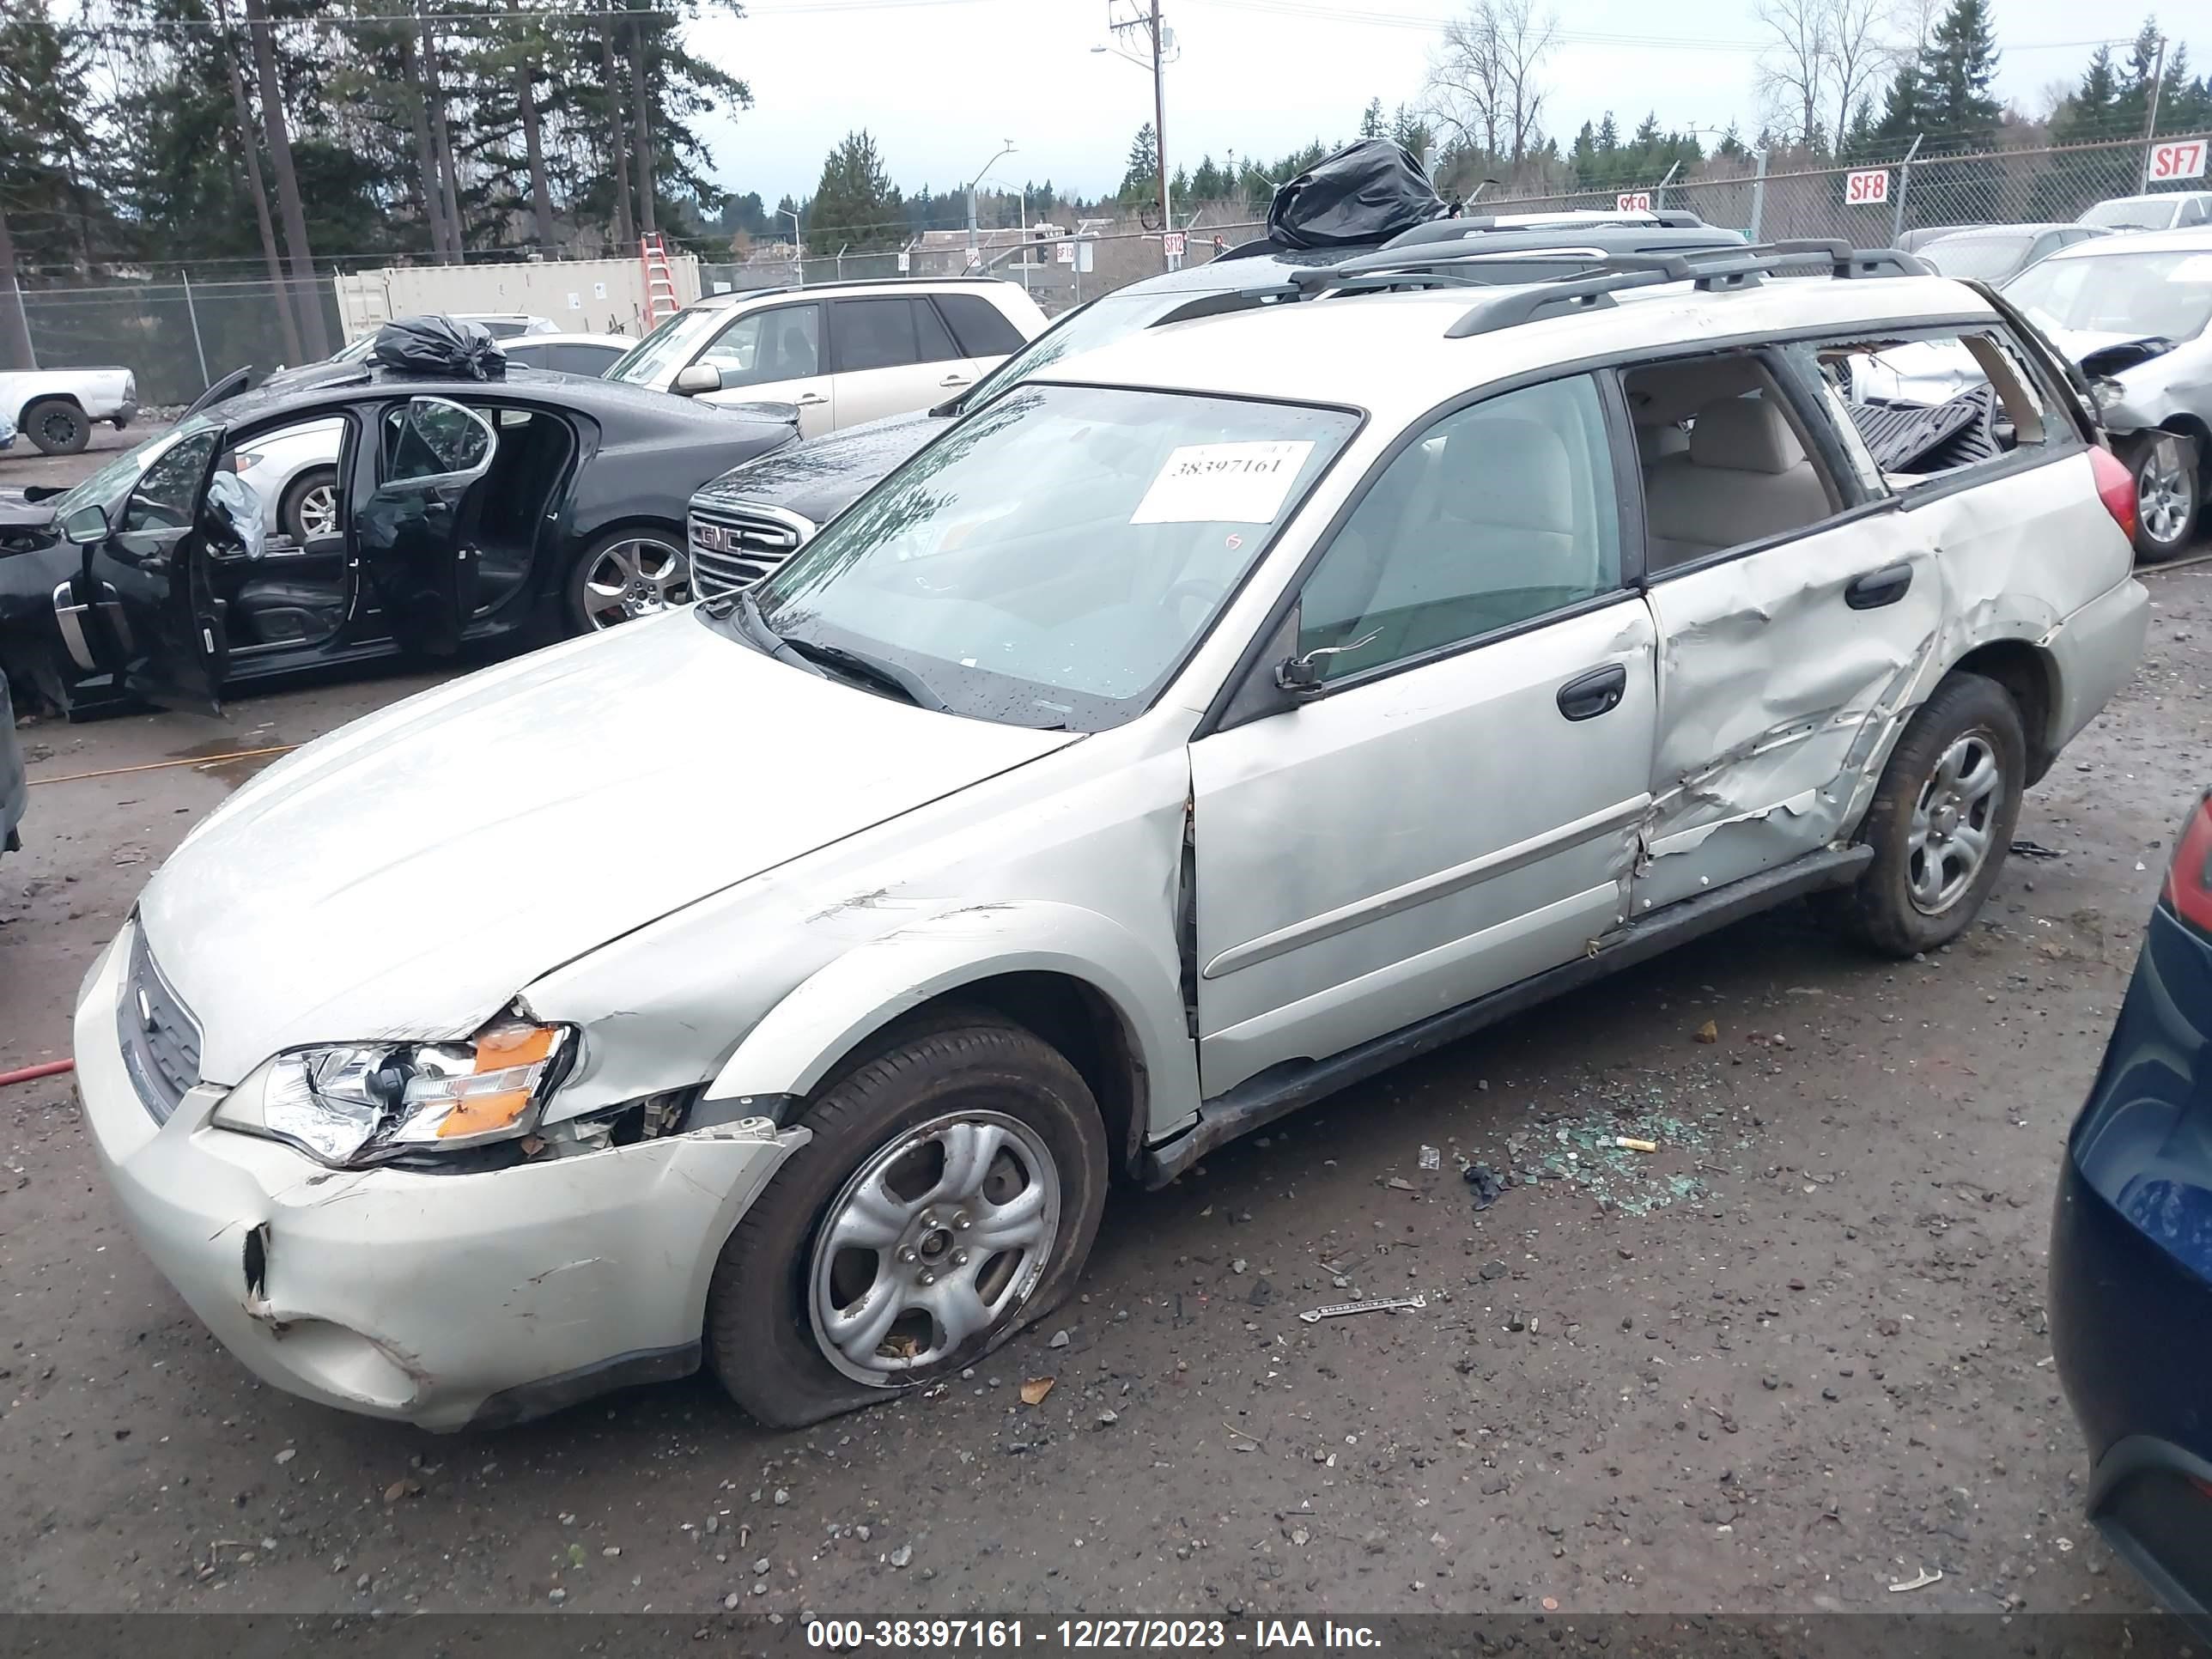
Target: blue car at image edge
x,y
2131,1252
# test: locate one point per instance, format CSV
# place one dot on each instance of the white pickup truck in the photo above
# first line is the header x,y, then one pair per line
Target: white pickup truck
x,y
55,408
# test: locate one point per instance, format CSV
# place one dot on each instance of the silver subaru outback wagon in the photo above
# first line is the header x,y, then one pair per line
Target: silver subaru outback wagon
x,y
1255,701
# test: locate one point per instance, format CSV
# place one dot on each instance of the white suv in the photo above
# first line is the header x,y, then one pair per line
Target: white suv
x,y
1217,720
843,352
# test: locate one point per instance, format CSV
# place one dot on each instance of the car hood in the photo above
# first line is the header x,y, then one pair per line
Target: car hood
x,y
27,509
821,479
408,875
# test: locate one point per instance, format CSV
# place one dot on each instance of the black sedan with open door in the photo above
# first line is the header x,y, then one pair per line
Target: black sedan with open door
x,y
468,512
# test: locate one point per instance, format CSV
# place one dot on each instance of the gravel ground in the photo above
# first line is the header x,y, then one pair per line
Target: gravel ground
x,y
1795,1357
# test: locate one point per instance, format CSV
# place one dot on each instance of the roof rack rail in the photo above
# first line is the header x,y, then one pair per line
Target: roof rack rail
x,y
1715,271
1593,247
1472,226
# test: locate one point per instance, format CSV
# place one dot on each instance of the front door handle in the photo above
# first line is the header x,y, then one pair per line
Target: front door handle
x,y
1587,695
956,379
1879,587
812,400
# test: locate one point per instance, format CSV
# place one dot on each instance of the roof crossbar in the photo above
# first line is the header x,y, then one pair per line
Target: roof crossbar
x,y
1712,270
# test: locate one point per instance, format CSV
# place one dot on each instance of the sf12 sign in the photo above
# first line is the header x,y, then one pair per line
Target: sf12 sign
x,y
1868,188
1633,201
1171,244
2181,161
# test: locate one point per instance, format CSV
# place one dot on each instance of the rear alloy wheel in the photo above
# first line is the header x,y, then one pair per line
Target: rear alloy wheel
x,y
629,574
58,426
949,1196
1940,822
310,507
2167,495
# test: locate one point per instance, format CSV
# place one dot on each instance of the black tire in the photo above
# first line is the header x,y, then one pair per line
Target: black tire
x,y
291,510
577,609
56,425
1879,909
760,1336
2169,479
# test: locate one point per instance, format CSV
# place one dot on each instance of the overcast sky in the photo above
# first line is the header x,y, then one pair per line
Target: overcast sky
x,y
942,83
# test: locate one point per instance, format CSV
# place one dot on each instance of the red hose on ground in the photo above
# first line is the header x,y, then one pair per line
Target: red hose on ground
x,y
52,1068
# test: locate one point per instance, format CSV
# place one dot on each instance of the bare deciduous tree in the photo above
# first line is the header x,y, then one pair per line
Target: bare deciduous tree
x,y
1864,45
1486,79
1822,57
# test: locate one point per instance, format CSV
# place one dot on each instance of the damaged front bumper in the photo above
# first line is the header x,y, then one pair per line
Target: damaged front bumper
x,y
444,1300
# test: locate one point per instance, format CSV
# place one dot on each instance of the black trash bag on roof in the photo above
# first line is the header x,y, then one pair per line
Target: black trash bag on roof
x,y
439,345
1366,192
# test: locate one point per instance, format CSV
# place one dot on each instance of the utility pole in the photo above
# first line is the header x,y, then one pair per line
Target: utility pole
x,y
2150,121
1160,125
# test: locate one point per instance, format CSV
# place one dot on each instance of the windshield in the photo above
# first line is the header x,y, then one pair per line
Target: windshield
x,y
1050,560
107,486
2135,295
2131,213
1976,258
654,360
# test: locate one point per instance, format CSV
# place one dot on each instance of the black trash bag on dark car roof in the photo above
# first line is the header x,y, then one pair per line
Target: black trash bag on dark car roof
x,y
1366,192
439,345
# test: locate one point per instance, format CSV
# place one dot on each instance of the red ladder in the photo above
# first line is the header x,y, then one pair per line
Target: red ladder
x,y
660,301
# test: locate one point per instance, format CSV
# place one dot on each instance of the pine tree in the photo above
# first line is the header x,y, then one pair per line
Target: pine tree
x,y
1956,67
1370,121
855,204
1140,179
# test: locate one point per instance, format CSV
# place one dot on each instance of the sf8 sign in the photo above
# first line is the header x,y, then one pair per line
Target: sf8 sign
x,y
1868,187
2181,161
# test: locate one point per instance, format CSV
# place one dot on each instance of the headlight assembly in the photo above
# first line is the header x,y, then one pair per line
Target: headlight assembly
x,y
359,1103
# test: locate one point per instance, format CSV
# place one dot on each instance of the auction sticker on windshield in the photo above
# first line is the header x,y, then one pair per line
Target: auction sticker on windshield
x,y
1223,483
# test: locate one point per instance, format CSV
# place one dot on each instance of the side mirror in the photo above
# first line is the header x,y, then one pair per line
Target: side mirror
x,y
695,379
85,526
1302,675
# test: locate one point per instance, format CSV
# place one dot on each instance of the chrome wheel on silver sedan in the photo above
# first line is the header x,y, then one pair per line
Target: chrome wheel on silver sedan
x,y
629,575
1951,832
938,1237
2166,496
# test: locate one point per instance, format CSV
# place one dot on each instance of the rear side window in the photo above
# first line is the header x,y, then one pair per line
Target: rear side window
x,y
980,327
872,334
584,359
934,344
1942,402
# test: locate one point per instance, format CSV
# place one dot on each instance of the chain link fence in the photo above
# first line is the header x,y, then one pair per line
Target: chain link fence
x,y
176,338
2002,186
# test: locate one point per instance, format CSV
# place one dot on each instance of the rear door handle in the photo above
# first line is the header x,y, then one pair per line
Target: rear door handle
x,y
1879,587
1587,695
956,379
811,399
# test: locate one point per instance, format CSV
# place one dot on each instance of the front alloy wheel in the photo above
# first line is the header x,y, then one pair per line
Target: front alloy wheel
x,y
934,1240
628,576
947,1196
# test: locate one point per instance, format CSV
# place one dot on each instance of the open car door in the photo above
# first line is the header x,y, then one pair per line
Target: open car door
x,y
416,533
141,601
230,386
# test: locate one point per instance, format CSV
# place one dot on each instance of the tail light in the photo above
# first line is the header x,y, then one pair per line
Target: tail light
x,y
2188,881
2116,488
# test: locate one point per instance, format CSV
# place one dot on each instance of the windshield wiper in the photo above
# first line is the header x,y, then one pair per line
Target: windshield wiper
x,y
900,683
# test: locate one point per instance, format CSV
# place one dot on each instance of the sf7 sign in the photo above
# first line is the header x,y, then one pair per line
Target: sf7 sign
x,y
2180,160
1868,188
